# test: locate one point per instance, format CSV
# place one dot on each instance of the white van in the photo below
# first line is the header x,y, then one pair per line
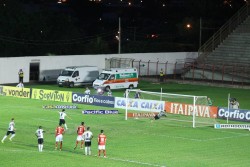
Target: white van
x,y
77,76
117,78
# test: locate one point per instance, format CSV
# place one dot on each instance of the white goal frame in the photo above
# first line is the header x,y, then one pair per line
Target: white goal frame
x,y
161,93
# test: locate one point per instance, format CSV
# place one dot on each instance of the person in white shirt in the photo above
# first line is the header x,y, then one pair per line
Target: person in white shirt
x,y
87,136
39,135
87,91
11,130
234,104
62,116
20,85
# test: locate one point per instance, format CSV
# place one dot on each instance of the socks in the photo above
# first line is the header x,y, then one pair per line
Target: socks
x,y
4,138
40,147
12,136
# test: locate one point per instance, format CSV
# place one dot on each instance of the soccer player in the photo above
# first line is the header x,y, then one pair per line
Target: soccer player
x,y
210,102
137,95
80,131
39,135
88,135
62,118
101,143
11,130
59,136
159,115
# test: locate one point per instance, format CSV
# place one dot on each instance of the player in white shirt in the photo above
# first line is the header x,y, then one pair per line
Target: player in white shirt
x,y
62,116
39,135
87,136
11,130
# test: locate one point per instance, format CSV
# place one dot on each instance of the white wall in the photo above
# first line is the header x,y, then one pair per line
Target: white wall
x,y
9,67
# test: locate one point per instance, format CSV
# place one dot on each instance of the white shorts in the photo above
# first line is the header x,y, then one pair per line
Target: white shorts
x,y
101,147
59,138
79,138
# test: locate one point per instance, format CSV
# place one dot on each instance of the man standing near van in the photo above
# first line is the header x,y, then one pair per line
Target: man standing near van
x,y
87,91
20,74
161,75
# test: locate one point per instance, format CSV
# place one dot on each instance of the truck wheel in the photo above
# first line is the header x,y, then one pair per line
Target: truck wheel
x,y
107,88
71,84
131,86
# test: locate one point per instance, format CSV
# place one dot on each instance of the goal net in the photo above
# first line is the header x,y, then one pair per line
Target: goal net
x,y
185,109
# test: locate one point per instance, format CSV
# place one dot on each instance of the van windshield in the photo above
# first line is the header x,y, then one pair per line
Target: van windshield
x,y
104,76
66,73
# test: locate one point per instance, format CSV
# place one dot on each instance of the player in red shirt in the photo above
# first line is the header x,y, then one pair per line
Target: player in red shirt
x,y
59,136
80,131
101,143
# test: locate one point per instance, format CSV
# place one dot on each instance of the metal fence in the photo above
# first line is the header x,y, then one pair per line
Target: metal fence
x,y
152,69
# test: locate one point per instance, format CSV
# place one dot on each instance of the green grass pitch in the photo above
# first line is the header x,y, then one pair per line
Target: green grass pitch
x,y
133,143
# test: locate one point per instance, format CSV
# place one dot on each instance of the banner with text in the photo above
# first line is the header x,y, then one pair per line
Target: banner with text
x,y
140,104
231,126
100,112
16,92
97,100
52,95
234,114
187,109
141,115
60,107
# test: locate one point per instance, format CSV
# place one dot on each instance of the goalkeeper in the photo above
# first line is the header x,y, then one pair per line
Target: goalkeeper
x,y
159,115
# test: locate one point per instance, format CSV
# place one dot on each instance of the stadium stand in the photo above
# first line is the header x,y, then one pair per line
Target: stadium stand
x,y
226,55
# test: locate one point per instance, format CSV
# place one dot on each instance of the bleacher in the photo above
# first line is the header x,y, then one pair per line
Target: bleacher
x,y
235,49
226,54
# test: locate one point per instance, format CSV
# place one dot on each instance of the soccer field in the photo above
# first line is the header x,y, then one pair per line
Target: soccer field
x,y
135,142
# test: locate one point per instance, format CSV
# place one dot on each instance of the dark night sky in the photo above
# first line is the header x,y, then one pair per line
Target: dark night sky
x,y
160,23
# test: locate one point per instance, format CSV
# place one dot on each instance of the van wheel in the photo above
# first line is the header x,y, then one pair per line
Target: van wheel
x,y
107,88
71,84
131,86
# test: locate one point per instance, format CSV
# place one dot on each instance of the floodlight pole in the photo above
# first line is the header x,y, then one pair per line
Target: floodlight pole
x,y
119,37
200,32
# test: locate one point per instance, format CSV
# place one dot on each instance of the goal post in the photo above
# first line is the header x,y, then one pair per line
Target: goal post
x,y
179,107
